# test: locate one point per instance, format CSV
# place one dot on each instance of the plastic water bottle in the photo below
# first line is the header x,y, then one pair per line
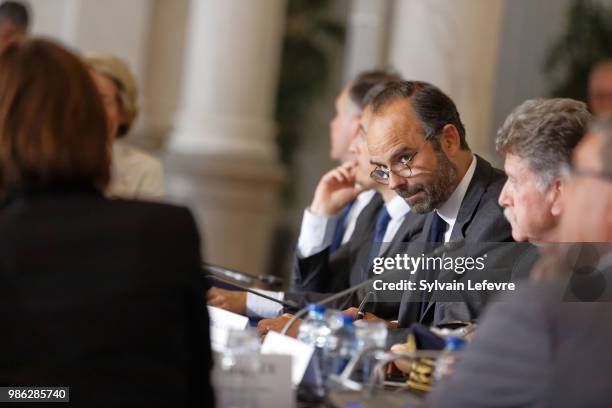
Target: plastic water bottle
x,y
370,335
238,364
341,346
446,361
314,331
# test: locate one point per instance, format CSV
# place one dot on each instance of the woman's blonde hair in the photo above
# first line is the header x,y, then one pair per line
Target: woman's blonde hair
x,y
119,72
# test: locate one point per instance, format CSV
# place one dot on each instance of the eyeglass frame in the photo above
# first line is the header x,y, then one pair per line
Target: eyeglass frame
x,y
406,163
573,172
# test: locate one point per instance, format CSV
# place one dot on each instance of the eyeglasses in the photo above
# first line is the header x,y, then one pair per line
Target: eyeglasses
x,y
573,172
401,169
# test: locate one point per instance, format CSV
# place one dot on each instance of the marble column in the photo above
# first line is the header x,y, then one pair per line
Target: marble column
x,y
453,44
222,158
367,36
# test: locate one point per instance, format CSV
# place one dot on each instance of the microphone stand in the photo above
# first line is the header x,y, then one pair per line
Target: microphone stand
x,y
246,278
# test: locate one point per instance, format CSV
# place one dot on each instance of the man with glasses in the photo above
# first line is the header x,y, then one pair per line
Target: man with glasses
x,y
418,146
537,348
339,224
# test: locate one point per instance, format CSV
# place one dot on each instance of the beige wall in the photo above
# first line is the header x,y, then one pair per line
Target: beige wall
x,y
148,34
453,44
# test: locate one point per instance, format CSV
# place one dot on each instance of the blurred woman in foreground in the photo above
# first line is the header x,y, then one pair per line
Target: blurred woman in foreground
x,y
102,296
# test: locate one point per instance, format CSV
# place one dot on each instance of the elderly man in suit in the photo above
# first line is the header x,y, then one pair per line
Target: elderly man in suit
x,y
537,140
535,349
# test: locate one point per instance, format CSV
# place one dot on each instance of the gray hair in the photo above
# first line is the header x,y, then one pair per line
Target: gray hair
x,y
544,132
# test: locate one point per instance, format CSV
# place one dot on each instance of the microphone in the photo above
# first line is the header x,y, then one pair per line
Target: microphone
x,y
287,304
449,246
243,277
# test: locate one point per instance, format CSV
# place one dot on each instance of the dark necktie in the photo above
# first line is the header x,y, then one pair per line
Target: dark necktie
x,y
437,231
340,228
435,239
382,221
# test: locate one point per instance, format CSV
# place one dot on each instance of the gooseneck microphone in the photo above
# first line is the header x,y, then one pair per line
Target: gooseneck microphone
x,y
242,277
449,246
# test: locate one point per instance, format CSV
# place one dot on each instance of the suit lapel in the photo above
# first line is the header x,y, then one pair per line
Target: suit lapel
x,y
361,240
473,195
411,227
364,224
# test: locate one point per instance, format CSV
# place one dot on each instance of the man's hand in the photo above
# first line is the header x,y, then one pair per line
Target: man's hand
x,y
233,301
352,311
277,324
335,190
404,364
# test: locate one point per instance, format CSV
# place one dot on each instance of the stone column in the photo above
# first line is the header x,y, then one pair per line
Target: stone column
x,y
453,44
367,38
222,156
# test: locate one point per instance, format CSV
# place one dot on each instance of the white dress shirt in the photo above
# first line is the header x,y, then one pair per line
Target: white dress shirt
x,y
449,210
317,231
135,174
397,209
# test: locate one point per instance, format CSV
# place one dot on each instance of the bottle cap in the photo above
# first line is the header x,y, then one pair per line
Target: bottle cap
x,y
454,343
314,307
347,320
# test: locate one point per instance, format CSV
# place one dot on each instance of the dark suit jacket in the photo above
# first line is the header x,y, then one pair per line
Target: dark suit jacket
x,y
480,220
532,350
350,267
326,273
103,296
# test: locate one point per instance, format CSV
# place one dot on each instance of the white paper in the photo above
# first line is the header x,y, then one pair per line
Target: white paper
x,y
301,353
269,388
221,321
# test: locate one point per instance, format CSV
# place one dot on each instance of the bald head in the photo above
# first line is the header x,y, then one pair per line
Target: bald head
x,y
600,132
600,89
14,22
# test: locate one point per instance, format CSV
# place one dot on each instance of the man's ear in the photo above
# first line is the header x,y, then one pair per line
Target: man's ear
x,y
450,140
354,125
557,190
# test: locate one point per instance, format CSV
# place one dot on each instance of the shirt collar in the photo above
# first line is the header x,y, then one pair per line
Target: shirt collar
x,y
365,196
449,210
397,208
